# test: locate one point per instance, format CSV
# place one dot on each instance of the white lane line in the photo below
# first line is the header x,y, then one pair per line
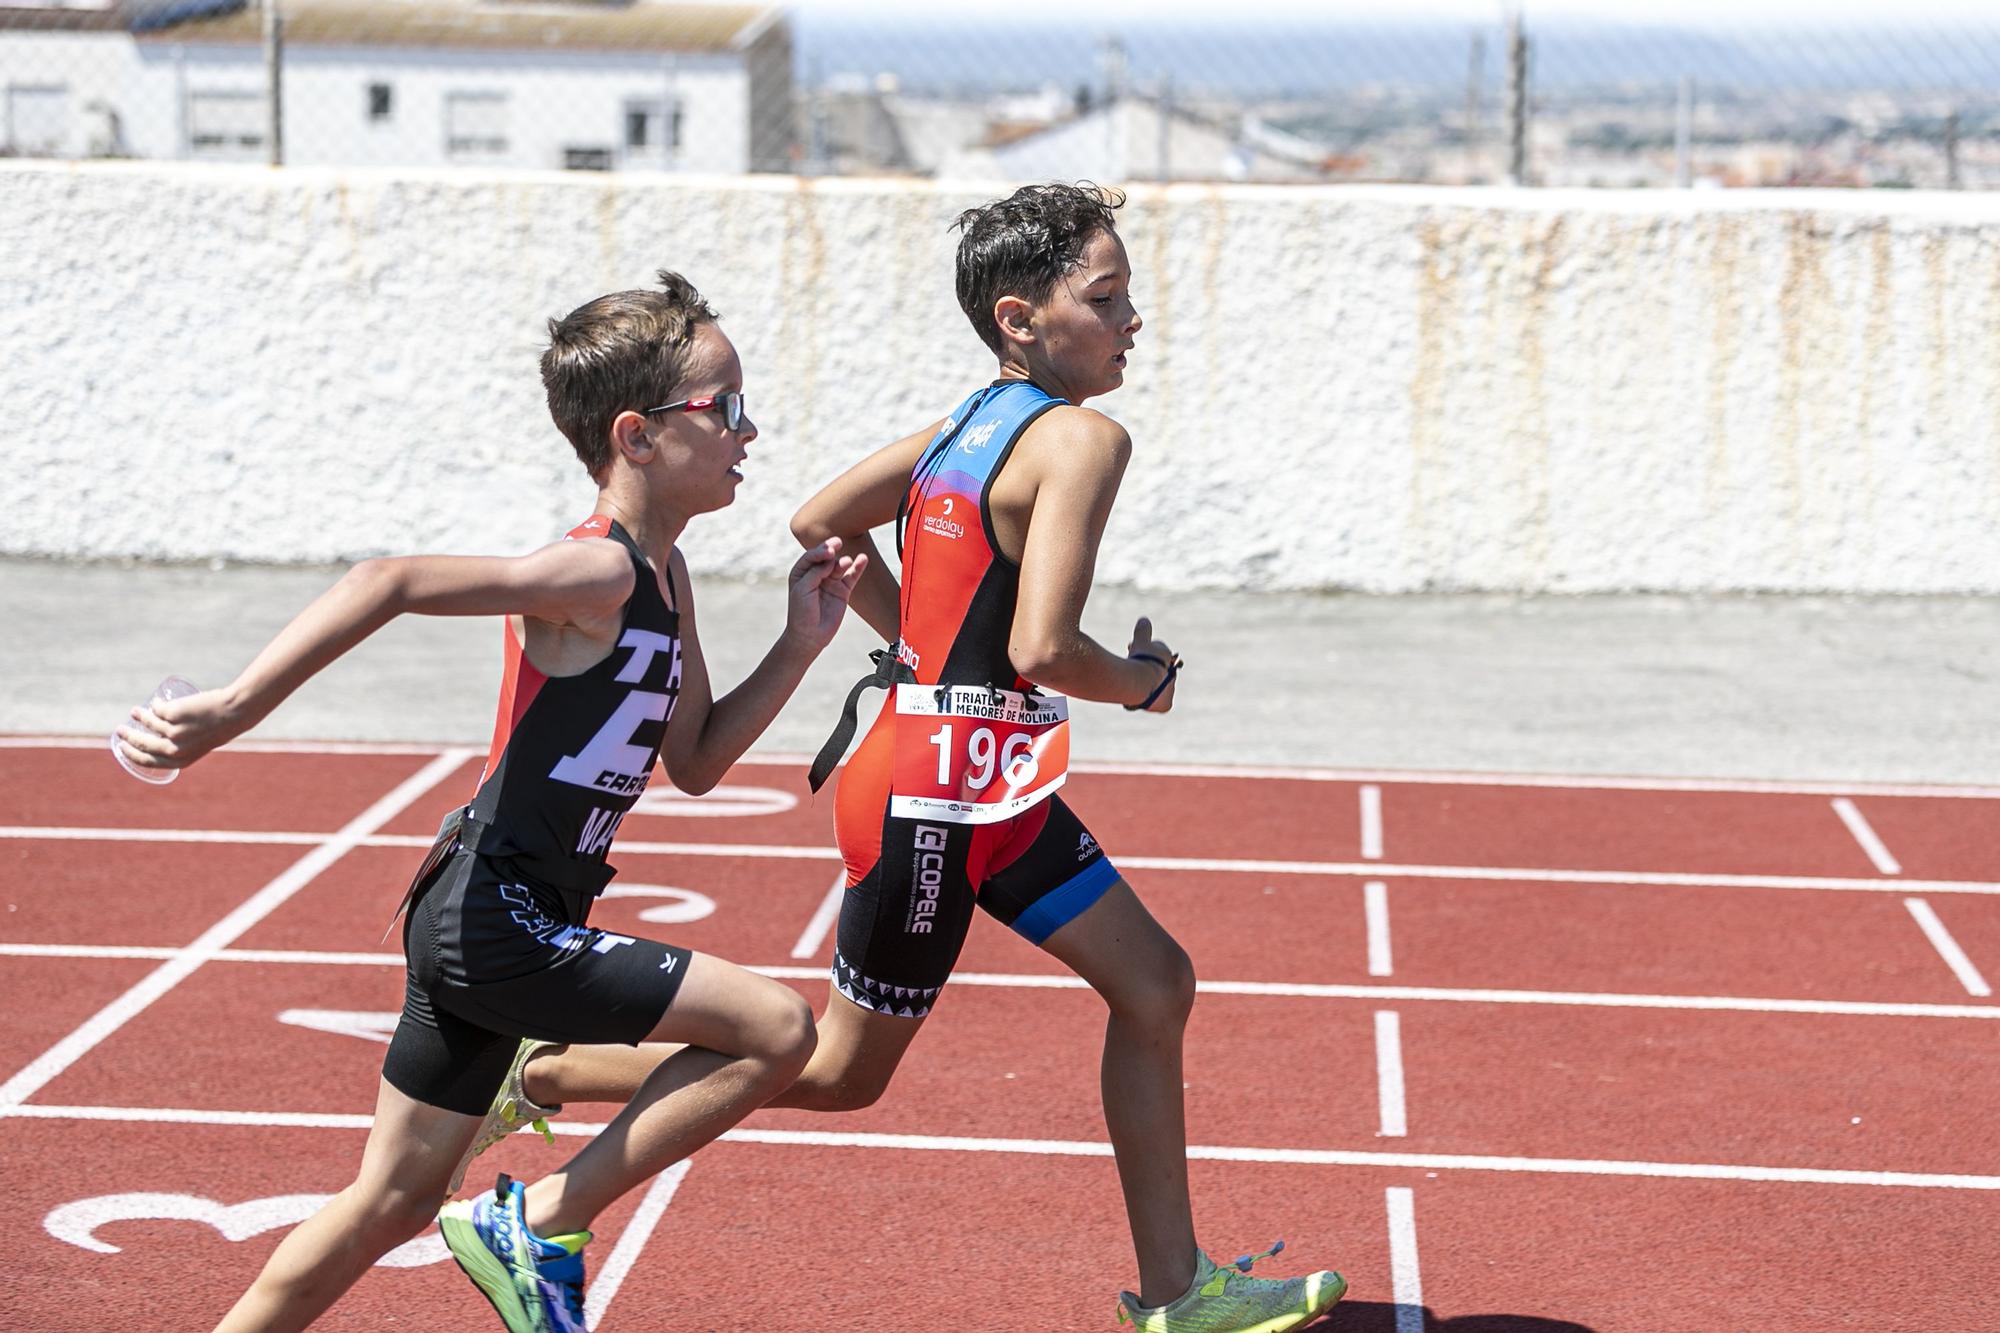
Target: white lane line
x,y
1241,772
1273,989
247,837
239,746
1532,875
1941,940
51,1063
1563,1166
1371,823
1375,904
1450,778
1870,841
1334,869
597,1298
188,1115
1389,1075
1404,1272
822,919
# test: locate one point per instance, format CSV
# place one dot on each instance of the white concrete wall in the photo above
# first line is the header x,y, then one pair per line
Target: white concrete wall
x,y
1377,388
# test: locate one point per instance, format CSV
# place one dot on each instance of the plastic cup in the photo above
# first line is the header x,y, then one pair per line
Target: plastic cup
x,y
173,687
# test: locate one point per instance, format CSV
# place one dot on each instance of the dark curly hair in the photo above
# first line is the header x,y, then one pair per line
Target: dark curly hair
x,y
1022,245
620,353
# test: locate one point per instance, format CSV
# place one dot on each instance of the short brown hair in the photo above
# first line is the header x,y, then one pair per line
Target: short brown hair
x,y
623,352
1023,245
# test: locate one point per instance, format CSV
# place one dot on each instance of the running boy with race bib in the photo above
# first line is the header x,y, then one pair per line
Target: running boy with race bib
x,y
951,801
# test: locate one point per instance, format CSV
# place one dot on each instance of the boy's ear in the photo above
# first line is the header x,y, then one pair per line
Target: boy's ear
x,y
628,434
1012,315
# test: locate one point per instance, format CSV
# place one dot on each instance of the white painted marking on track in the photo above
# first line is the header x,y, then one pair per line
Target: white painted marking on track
x,y
51,1063
716,803
77,1223
1371,823
823,919
242,837
251,746
1241,772
1941,939
1563,1166
366,1024
1455,778
677,907
1195,865
1389,1075
1405,1274
597,1297
1375,905
1273,989
1870,841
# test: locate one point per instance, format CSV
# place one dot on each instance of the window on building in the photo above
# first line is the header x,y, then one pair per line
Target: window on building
x,y
587,159
651,126
227,123
381,102
475,124
37,119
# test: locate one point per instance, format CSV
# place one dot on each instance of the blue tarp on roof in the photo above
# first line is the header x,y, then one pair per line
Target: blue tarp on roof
x,y
151,15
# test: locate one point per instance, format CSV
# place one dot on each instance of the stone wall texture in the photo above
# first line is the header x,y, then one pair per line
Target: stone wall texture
x,y
1373,388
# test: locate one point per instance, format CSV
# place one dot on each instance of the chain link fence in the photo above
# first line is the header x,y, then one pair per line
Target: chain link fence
x,y
633,85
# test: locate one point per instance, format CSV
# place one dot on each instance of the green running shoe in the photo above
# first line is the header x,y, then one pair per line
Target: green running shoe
x,y
512,1109
1227,1300
534,1284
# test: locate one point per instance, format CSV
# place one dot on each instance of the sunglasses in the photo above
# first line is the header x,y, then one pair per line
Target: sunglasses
x,y
729,404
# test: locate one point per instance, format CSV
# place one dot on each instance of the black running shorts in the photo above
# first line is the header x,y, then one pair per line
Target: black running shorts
x,y
491,959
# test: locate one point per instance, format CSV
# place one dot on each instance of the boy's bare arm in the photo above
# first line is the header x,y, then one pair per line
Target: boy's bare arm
x,y
1079,457
851,506
706,735
565,584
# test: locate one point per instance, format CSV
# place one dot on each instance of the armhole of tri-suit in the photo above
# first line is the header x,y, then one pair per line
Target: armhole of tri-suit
x,y
641,571
999,466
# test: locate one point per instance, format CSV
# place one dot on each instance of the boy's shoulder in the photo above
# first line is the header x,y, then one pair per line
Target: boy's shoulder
x,y
1079,432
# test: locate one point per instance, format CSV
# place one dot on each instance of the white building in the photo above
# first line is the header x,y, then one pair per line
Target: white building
x,y
636,85
1132,137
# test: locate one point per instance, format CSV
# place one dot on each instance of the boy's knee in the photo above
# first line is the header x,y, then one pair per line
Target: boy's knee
x,y
789,1036
390,1219
1161,994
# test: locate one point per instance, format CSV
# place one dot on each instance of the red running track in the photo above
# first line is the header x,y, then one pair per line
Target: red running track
x,y
1528,1056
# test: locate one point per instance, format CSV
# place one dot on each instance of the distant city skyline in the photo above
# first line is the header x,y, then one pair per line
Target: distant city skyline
x,y
1284,56
1743,14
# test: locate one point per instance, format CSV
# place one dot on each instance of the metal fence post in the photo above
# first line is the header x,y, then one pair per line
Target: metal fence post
x,y
1517,99
1684,134
1475,75
1951,177
274,78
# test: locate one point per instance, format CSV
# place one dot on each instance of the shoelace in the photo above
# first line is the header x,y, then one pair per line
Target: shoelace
x,y
511,1113
1215,1285
569,1288
572,1296
1219,1281
500,1218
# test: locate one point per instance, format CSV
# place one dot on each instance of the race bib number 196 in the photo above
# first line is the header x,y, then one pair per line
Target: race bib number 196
x,y
969,755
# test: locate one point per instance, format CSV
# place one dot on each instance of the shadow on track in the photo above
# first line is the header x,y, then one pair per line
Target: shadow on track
x,y
1380,1317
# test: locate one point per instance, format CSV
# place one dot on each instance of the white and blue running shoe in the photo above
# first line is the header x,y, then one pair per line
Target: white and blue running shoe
x,y
535,1283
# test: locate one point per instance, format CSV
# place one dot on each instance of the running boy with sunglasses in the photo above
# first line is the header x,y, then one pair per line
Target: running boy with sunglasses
x,y
604,676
